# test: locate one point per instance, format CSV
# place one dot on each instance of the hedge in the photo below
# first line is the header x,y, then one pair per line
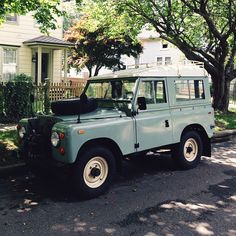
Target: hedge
x,y
15,99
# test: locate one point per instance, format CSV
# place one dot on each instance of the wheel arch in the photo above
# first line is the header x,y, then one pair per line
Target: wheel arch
x,y
206,141
107,143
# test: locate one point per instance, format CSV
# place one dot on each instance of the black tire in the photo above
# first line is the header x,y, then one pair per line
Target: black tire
x,y
187,154
85,170
73,106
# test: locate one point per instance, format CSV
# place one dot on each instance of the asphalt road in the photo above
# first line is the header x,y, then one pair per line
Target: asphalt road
x,y
148,198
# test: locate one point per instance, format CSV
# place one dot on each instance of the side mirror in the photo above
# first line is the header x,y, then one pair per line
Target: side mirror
x,y
142,105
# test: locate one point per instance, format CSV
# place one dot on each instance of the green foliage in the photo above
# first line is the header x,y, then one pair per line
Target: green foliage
x,y
9,136
8,146
44,11
106,15
15,98
226,121
95,48
23,78
203,30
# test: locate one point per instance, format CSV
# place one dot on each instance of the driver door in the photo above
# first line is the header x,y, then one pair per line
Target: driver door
x,y
153,125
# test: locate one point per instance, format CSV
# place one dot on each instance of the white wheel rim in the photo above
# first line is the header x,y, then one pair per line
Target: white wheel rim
x,y
190,149
98,164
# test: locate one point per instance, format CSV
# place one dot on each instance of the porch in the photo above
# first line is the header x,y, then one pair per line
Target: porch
x,y
49,58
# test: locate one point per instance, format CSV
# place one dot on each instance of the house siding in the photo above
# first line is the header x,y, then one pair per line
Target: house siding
x,y
57,54
14,34
24,29
152,48
24,60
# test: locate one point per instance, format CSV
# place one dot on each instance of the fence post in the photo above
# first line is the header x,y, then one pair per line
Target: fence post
x,y
46,96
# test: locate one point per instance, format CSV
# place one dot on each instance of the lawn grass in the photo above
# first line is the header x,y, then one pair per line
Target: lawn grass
x,y
225,121
8,136
8,146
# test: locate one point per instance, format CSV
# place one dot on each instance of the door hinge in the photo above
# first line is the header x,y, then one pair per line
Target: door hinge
x,y
136,145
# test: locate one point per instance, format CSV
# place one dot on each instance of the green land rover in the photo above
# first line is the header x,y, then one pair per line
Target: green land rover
x,y
120,115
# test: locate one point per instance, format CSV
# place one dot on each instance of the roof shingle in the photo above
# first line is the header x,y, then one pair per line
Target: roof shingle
x,y
47,40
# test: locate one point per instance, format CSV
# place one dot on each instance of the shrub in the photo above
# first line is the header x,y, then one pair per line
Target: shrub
x,y
16,98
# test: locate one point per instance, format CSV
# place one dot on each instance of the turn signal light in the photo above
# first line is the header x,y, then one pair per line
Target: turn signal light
x,y
62,150
61,135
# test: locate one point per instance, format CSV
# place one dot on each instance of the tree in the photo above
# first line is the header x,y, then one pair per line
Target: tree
x,y
95,49
101,39
44,11
204,30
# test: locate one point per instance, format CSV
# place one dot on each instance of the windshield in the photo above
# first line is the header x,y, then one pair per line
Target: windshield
x,y
121,89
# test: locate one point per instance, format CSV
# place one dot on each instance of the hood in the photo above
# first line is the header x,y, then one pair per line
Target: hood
x,y
94,115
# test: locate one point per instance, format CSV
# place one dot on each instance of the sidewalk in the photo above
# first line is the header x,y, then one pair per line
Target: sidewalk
x,y
220,136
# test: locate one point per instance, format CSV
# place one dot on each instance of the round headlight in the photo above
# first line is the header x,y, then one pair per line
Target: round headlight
x,y
22,132
55,139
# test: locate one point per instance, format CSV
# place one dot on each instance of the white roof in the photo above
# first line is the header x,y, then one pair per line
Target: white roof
x,y
191,69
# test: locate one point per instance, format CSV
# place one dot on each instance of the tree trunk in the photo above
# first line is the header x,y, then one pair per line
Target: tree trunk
x,y
90,71
221,90
97,69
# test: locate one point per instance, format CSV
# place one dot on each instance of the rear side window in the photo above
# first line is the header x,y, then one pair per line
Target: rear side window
x,y
189,90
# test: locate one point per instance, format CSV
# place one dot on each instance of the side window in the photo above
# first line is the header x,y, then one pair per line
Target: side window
x,y
182,90
196,89
146,90
189,90
153,91
160,93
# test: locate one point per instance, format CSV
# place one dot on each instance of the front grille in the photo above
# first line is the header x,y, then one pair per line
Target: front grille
x,y
38,138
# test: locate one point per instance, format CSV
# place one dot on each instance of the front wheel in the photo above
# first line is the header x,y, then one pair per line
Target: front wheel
x,y
188,152
93,172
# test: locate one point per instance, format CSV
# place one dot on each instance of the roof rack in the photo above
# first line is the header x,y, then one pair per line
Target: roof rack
x,y
156,64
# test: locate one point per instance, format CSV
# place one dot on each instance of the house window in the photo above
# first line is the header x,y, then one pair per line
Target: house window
x,y
159,60
9,63
11,18
168,61
165,45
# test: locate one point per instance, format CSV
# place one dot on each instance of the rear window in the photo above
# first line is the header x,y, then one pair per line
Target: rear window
x,y
189,90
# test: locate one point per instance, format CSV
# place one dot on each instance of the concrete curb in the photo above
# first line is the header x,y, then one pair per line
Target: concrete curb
x,y
12,169
224,135
218,137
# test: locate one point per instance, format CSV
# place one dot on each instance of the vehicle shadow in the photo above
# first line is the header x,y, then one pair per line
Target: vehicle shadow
x,y
52,185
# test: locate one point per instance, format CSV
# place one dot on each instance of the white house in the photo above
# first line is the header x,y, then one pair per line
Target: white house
x,y
23,49
156,50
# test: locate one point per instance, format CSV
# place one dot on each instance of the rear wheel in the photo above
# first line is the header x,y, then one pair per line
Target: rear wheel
x,y
188,152
93,172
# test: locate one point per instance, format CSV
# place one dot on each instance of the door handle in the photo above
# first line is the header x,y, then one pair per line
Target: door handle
x,y
167,123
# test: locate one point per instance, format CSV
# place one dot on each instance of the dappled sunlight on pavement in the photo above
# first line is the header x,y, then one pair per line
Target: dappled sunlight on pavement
x,y
224,155
150,197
